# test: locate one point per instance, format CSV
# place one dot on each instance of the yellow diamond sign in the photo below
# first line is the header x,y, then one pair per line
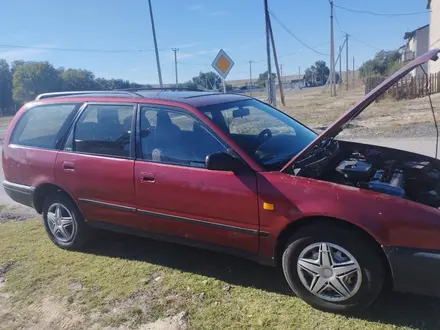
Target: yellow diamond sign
x,y
222,63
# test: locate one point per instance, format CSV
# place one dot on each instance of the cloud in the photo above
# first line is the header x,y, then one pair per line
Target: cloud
x,y
190,45
217,13
183,55
24,53
195,7
208,51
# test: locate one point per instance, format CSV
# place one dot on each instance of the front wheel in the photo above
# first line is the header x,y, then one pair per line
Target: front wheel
x,y
333,269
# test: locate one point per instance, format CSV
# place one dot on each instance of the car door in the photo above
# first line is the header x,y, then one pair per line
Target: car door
x,y
179,195
96,164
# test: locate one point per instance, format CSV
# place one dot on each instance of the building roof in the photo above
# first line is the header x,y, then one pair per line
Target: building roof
x,y
412,34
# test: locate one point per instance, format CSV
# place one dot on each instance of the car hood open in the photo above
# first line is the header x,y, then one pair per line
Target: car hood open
x,y
342,121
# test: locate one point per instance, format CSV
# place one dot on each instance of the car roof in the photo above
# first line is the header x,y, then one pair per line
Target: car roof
x,y
189,97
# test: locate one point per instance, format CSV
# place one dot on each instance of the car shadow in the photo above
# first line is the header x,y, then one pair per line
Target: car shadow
x,y
420,312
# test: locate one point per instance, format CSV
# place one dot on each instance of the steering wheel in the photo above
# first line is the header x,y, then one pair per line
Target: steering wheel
x,y
264,135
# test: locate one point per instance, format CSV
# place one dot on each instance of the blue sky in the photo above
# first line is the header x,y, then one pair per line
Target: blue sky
x,y
199,28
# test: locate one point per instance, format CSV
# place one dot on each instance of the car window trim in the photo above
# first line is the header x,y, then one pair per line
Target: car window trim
x,y
154,106
71,117
71,132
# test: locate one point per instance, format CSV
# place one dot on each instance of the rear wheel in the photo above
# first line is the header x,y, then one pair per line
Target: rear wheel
x,y
333,269
64,223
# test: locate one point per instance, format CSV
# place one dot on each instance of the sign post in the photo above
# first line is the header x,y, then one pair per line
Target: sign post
x,y
223,64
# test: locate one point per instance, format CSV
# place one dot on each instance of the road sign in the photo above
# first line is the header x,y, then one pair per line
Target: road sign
x,y
222,63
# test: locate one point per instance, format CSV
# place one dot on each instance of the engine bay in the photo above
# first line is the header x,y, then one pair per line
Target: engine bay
x,y
393,172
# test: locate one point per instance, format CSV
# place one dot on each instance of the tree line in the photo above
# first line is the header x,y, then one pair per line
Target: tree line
x,y
22,81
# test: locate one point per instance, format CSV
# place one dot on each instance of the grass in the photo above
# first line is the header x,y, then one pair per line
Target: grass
x,y
122,281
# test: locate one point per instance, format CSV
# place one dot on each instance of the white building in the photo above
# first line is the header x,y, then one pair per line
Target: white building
x,y
434,33
417,43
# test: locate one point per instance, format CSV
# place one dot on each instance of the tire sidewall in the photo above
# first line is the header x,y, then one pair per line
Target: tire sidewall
x,y
366,255
80,232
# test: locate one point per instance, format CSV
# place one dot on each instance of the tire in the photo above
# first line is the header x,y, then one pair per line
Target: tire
x,y
355,291
72,236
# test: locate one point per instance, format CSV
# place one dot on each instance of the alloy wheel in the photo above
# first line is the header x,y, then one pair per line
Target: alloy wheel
x,y
329,272
61,222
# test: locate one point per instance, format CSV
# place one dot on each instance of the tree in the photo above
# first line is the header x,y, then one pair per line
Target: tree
x,y
208,80
5,86
383,63
262,79
317,74
76,80
33,78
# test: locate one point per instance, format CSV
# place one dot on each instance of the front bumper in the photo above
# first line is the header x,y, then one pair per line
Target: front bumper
x,y
414,270
19,193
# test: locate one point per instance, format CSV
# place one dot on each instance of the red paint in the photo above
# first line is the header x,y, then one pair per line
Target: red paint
x,y
197,193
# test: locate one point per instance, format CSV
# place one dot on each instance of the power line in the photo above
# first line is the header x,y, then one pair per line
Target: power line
x,y
365,43
380,14
337,22
80,49
294,36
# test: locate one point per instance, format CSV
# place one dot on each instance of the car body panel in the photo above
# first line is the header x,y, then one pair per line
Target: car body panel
x,y
99,185
210,206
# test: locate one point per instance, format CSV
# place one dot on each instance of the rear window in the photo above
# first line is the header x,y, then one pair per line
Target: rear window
x,y
43,126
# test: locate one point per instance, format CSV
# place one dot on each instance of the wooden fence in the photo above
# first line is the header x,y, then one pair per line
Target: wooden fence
x,y
408,87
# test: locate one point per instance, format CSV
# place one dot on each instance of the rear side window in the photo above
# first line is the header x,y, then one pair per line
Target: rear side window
x,y
104,130
43,126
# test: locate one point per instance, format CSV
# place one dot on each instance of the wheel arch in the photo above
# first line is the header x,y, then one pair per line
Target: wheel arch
x,y
46,189
294,226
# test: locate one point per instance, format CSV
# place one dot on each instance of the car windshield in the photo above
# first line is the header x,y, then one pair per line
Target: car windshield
x,y
264,133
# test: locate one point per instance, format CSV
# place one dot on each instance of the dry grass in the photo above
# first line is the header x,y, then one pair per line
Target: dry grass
x,y
122,282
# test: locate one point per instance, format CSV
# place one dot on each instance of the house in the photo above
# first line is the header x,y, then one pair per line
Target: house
x,y
417,43
434,33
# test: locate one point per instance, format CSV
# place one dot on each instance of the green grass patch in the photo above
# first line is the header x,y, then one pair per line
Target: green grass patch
x,y
125,281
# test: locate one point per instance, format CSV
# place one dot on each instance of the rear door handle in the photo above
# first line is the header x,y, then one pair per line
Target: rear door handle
x,y
147,177
69,166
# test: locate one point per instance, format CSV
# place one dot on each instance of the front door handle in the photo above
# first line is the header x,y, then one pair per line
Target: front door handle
x,y
147,177
69,166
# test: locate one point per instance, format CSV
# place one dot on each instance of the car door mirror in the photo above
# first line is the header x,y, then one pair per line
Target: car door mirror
x,y
222,161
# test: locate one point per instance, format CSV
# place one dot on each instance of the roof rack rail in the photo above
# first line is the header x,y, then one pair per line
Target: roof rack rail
x,y
161,89
58,94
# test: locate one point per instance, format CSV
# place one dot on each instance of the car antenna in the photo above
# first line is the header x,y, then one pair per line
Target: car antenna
x,y
432,109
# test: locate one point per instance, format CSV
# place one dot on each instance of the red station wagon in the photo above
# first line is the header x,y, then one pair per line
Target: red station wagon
x,y
231,173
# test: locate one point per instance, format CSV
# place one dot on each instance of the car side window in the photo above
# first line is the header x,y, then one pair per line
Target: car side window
x,y
104,130
43,126
175,138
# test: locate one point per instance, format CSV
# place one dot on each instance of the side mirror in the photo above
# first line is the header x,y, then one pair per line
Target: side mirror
x,y
240,113
222,161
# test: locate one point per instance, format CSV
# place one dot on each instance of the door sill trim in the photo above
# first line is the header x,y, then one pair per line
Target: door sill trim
x,y
181,240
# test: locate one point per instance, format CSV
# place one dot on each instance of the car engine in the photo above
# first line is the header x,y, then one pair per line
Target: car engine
x,y
415,180
388,171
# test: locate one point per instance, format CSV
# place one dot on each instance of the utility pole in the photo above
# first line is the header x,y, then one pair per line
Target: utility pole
x,y
175,50
281,69
332,54
346,62
270,92
275,57
299,76
353,73
159,73
250,78
340,69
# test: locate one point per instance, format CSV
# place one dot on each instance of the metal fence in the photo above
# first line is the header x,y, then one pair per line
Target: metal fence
x,y
409,87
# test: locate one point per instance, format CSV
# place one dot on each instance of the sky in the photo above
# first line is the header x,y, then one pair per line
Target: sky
x,y
120,31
